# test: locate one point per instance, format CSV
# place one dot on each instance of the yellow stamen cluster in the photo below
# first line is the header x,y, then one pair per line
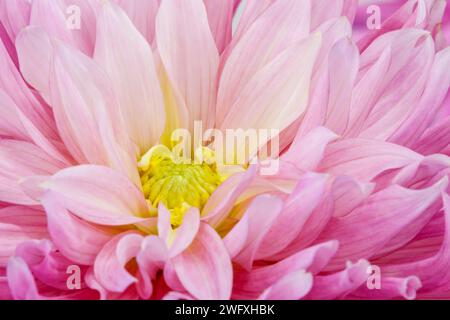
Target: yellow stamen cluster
x,y
179,186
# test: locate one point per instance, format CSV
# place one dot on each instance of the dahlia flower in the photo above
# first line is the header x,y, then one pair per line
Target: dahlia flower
x,y
95,204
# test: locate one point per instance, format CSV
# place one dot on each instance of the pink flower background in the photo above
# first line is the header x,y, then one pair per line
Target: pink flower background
x,y
364,117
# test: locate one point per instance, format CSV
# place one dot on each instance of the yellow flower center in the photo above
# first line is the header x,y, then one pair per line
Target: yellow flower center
x,y
179,186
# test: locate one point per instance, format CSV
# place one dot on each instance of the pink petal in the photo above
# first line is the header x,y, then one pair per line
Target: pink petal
x,y
191,60
255,107
205,268
220,17
46,263
223,199
15,15
402,207
17,225
260,45
109,266
249,285
262,213
34,50
99,195
307,152
77,239
338,285
179,239
19,160
432,271
127,58
432,98
143,15
21,281
293,286
86,110
391,288
152,258
306,196
12,83
365,159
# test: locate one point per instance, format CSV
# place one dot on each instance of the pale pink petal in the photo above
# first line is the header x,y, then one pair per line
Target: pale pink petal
x,y
259,46
205,268
77,239
19,160
86,110
99,195
256,107
58,19
151,259
307,152
298,207
223,199
191,58
109,266
12,83
179,239
435,139
34,50
127,58
262,213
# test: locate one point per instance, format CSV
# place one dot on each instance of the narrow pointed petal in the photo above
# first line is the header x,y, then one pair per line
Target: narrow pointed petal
x,y
143,15
255,107
127,58
192,59
86,109
260,45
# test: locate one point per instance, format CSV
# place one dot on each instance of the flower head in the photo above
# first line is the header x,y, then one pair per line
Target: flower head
x,y
320,169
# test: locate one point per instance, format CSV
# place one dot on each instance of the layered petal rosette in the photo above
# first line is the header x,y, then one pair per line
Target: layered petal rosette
x,y
97,201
